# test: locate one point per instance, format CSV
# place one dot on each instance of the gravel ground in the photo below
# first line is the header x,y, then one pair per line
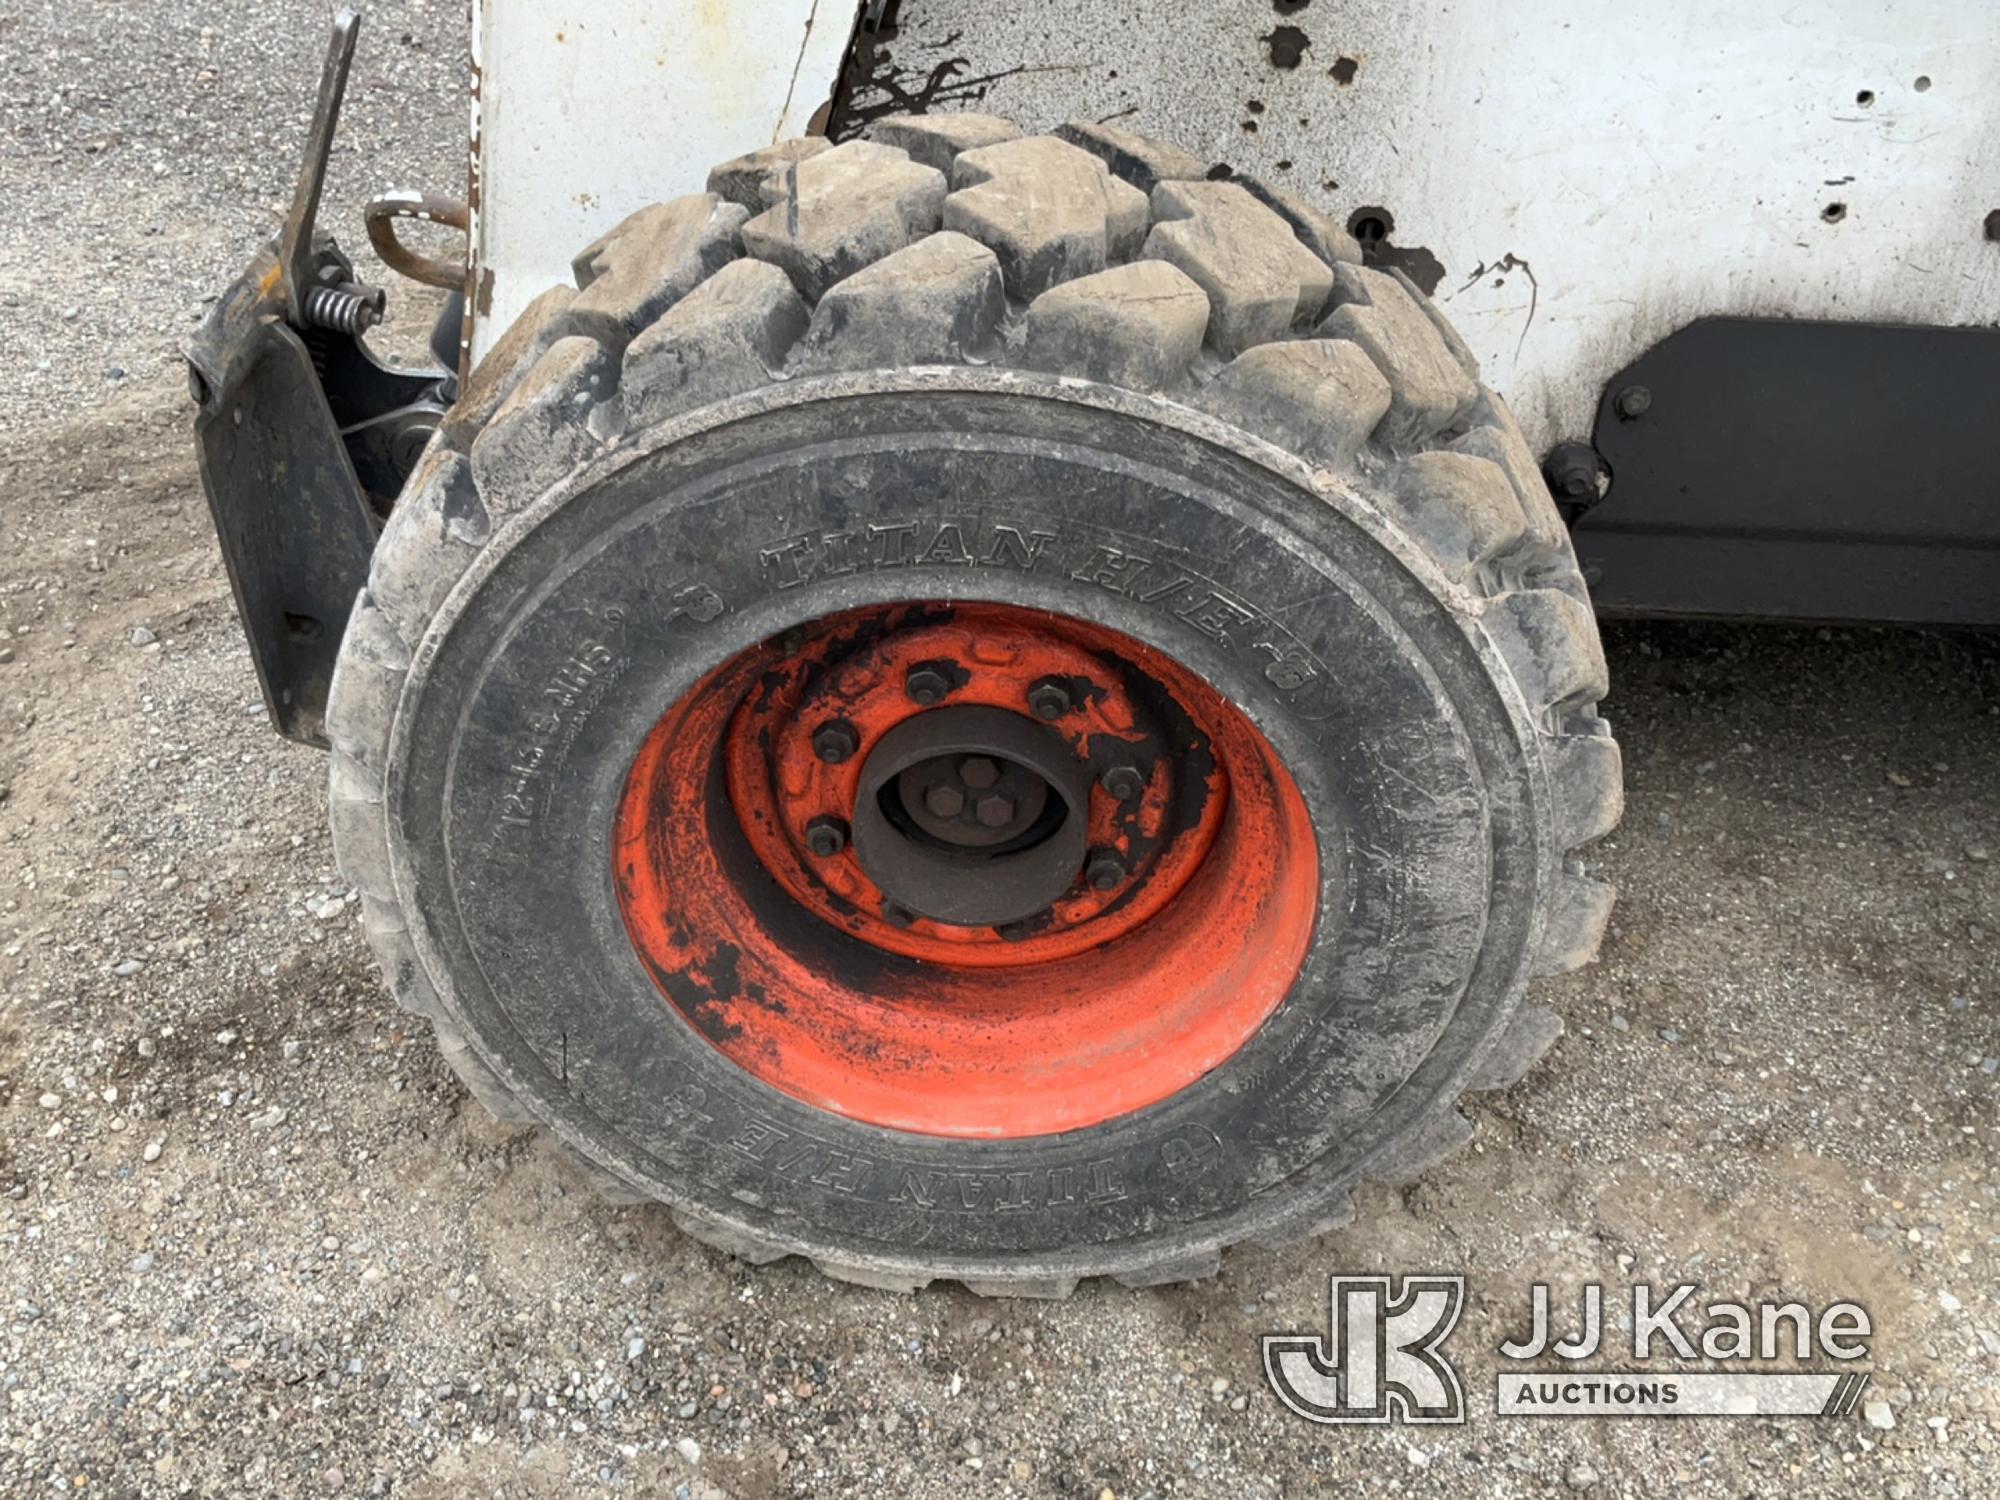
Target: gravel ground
x,y
257,1240
146,149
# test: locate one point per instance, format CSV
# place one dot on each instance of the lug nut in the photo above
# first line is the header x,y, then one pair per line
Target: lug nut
x,y
945,801
1634,401
1123,782
826,836
835,742
978,772
926,685
1104,870
1048,699
995,811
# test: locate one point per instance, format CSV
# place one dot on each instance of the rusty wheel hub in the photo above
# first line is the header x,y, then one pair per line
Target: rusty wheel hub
x,y
1091,855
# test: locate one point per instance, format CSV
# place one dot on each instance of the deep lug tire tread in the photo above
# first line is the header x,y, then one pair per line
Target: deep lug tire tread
x,y
923,244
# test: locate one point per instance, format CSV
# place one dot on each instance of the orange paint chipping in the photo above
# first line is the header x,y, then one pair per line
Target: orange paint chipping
x,y
787,964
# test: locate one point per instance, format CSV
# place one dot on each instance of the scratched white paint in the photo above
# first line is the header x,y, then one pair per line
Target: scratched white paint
x,y
1592,176
588,110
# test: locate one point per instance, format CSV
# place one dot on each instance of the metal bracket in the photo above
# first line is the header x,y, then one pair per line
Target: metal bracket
x,y
304,436
1787,469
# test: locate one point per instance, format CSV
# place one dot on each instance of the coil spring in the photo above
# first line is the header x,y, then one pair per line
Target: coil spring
x,y
342,309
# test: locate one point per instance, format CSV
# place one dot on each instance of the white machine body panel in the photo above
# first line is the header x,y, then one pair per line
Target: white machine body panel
x,y
1576,180
587,110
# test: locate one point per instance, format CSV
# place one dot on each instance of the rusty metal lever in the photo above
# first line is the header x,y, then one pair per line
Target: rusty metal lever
x,y
296,261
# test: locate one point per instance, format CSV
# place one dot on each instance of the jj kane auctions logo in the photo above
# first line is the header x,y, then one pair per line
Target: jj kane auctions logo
x,y
1382,1357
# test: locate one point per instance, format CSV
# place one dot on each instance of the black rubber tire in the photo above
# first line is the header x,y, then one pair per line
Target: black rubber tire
x,y
837,336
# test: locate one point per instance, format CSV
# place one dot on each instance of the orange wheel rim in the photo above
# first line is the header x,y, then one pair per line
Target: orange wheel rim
x,y
816,966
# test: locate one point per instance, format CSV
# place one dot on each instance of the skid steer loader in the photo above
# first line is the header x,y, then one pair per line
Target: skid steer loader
x,y
981,690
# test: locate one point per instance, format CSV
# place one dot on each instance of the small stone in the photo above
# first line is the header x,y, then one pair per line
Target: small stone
x,y
1948,1302
291,1049
141,636
689,1449
142,1262
1579,1476
1619,1023
1878,1415
1670,1034
225,1038
125,968
635,1349
50,1101
152,1151
147,1047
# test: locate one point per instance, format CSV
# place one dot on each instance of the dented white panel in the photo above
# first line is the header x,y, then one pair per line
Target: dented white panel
x,y
587,110
1588,176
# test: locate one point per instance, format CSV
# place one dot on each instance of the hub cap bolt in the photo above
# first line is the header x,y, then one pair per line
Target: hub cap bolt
x,y
996,811
1104,870
978,772
827,836
1048,699
945,801
926,685
1124,782
835,742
